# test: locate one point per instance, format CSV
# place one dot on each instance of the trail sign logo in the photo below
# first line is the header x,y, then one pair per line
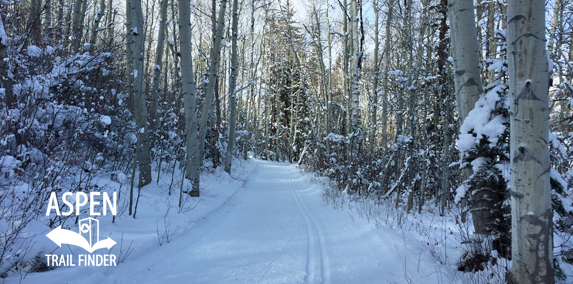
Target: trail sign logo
x,y
87,238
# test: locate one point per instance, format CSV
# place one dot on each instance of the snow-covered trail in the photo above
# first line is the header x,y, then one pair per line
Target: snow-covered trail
x,y
275,230
278,231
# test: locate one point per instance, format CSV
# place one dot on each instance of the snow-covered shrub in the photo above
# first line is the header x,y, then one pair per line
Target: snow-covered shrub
x,y
69,122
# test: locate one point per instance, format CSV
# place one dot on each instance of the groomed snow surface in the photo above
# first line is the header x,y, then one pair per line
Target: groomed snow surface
x,y
267,223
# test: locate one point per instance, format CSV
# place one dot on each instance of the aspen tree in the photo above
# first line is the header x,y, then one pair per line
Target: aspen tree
x,y
188,94
140,108
531,222
210,93
157,70
232,89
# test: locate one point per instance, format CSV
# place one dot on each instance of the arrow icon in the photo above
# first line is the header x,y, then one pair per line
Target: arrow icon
x,y
62,236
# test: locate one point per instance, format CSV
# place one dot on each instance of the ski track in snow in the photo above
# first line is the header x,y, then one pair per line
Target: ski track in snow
x,y
274,230
314,234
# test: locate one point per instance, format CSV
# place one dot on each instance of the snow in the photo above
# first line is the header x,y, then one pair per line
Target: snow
x,y
3,36
336,138
34,51
171,42
460,192
496,65
266,223
8,163
480,123
49,50
396,73
558,178
105,119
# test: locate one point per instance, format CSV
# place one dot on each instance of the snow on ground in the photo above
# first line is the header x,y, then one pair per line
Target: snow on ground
x,y
266,224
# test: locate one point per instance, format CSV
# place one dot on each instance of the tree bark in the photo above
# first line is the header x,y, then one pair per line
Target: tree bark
x,y
157,72
188,94
77,24
232,90
354,79
374,96
467,83
531,222
387,35
6,81
140,108
95,29
213,69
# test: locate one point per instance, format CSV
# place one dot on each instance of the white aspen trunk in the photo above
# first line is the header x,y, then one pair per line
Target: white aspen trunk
x,y
328,88
80,31
323,86
554,23
253,70
77,24
60,21
232,89
6,81
467,83
188,94
109,22
345,69
465,52
213,68
374,97
387,36
354,79
531,213
48,19
157,71
34,21
95,28
140,108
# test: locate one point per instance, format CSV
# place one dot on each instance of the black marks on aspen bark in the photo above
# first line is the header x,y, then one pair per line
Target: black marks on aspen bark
x,y
516,18
516,194
526,94
526,35
460,72
523,155
470,82
546,171
544,222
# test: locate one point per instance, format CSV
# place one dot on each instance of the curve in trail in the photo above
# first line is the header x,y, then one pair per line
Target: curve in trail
x,y
315,234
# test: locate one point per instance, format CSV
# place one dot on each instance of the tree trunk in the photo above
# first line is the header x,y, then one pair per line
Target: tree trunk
x,y
328,89
188,93
554,23
467,83
157,72
213,68
77,24
95,28
531,222
374,96
140,108
232,90
4,67
354,80
387,36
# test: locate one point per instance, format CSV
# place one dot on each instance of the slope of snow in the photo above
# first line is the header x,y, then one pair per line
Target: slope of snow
x,y
266,225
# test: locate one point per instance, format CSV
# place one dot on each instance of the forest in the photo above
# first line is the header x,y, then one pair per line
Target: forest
x,y
453,109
